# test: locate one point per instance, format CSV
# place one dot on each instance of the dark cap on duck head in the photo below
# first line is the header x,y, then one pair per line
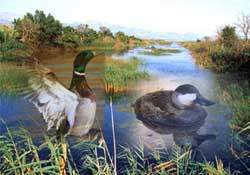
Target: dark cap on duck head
x,y
190,89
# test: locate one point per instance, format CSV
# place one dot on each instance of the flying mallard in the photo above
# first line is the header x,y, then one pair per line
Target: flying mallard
x,y
172,108
71,111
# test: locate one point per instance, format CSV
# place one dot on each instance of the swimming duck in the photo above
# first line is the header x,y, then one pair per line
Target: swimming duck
x,y
71,111
181,107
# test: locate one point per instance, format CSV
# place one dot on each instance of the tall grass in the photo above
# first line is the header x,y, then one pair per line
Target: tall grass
x,y
19,155
238,98
119,75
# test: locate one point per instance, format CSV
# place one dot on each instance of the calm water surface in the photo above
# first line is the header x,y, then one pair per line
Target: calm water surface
x,y
168,72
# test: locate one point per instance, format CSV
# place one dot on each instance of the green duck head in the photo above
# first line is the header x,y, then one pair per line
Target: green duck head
x,y
81,61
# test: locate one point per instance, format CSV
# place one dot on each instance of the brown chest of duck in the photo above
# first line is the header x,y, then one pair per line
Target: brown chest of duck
x,y
70,111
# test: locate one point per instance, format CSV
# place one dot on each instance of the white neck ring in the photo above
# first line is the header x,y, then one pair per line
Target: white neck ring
x,y
79,73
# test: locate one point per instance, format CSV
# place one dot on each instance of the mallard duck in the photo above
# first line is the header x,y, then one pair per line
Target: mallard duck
x,y
173,108
70,111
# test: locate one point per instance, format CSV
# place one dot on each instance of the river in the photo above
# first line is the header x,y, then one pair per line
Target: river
x,y
168,72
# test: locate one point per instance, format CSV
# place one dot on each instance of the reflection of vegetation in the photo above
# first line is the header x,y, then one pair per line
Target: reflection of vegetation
x,y
12,79
20,155
226,53
159,51
119,74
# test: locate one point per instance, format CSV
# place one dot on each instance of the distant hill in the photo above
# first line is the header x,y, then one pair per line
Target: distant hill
x,y
142,33
7,18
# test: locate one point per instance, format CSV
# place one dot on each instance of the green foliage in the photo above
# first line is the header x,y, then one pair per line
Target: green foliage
x,y
44,29
229,59
70,37
19,155
119,74
238,98
104,31
228,36
6,33
90,36
121,36
213,55
41,29
12,49
2,37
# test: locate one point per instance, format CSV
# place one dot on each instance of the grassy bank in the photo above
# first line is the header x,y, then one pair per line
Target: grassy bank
x,y
119,75
159,51
212,54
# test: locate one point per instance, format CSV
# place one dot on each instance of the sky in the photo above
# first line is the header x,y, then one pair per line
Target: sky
x,y
202,17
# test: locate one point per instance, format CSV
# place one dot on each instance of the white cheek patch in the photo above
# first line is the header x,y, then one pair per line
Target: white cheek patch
x,y
186,99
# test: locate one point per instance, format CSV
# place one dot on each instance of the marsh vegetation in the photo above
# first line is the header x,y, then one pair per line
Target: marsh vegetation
x,y
120,75
23,153
160,51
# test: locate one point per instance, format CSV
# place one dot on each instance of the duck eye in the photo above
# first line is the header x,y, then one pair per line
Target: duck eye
x,y
79,69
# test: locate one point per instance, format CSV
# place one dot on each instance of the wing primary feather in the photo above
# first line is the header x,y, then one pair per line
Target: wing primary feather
x,y
51,98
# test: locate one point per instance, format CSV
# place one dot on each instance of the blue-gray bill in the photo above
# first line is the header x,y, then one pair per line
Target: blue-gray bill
x,y
204,102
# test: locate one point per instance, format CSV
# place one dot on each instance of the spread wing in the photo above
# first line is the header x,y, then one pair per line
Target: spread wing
x,y
51,98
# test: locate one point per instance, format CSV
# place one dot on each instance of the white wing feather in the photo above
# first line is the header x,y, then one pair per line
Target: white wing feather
x,y
52,99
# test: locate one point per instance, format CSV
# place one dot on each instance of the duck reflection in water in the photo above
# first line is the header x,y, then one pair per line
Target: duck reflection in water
x,y
182,136
179,112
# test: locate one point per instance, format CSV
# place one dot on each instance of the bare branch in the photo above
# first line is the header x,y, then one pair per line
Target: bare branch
x,y
244,25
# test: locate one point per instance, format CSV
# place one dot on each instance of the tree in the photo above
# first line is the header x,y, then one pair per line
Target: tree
x,y
90,36
244,25
83,28
104,31
122,37
70,37
228,36
46,29
27,29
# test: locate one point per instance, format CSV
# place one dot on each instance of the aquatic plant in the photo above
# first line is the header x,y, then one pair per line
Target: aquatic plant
x,y
159,51
120,74
19,155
